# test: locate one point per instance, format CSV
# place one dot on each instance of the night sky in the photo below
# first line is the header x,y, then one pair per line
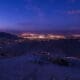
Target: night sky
x,y
39,15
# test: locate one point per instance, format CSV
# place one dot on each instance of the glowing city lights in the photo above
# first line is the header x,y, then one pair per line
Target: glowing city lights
x,y
41,36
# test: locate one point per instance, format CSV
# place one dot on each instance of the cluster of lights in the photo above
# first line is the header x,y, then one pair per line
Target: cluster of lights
x,y
76,35
33,36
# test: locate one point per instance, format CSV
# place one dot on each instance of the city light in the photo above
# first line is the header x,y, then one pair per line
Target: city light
x,y
41,36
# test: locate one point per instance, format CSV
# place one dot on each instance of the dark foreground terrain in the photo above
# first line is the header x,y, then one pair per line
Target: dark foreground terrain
x,y
11,45
23,59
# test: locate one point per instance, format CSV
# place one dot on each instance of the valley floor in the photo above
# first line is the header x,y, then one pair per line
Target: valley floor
x,y
21,68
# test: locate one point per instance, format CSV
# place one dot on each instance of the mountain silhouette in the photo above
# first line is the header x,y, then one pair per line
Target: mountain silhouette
x,y
4,35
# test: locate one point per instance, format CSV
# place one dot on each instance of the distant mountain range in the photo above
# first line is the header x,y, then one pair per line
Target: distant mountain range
x,y
4,35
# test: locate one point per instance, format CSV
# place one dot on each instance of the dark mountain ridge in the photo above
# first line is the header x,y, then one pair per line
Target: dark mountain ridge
x,y
5,35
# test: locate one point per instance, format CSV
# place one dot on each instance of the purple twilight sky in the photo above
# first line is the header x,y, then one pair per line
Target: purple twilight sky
x,y
39,15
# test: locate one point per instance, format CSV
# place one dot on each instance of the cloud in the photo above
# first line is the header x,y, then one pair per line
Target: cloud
x,y
72,1
73,12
